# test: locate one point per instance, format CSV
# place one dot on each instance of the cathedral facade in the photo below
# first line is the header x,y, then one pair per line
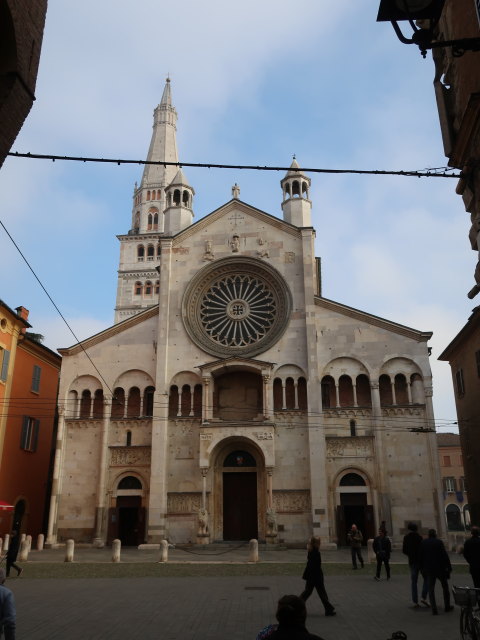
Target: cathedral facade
x,y
231,400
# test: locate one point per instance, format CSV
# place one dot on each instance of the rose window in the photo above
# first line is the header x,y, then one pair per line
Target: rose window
x,y
236,307
237,310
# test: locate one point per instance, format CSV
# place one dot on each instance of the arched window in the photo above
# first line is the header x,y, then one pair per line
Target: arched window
x,y
186,400
401,393
148,195
385,388
148,288
454,520
176,197
287,191
239,459
302,394
98,404
158,194
353,428
133,406
118,403
305,189
155,221
295,189
148,401
364,395
138,288
290,393
150,252
157,287
352,480
72,404
328,392
149,222
197,400
277,395
140,253
186,198
345,391
129,439
130,482
173,401
85,404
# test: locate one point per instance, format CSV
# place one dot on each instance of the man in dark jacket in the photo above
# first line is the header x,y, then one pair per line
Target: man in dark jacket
x,y
313,576
291,616
382,548
471,553
12,553
411,548
435,564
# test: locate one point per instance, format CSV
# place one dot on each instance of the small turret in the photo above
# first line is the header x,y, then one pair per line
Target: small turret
x,y
296,206
178,212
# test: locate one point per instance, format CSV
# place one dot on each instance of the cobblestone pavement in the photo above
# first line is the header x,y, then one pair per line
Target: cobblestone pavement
x,y
208,608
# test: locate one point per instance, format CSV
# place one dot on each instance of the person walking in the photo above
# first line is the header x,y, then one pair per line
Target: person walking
x,y
435,564
355,538
382,548
7,610
471,553
411,548
12,553
291,615
313,575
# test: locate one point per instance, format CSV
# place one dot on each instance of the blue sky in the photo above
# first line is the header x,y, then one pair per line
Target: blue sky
x,y
253,83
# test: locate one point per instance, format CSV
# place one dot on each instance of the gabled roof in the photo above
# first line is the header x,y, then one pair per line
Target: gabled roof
x,y
463,335
448,440
111,331
382,323
229,206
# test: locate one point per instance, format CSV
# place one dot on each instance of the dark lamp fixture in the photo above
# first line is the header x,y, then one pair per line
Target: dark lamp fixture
x,y
429,11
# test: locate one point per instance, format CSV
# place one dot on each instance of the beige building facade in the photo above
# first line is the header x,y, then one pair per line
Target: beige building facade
x,y
234,400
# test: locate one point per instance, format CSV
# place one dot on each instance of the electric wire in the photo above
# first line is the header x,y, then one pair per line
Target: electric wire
x,y
436,172
53,302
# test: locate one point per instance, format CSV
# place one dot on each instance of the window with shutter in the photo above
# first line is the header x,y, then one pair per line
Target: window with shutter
x,y
5,357
37,371
29,435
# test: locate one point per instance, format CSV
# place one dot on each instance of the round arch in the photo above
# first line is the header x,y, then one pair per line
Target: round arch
x,y
354,503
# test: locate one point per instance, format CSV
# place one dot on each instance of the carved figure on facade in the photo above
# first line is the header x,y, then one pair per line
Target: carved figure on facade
x,y
356,446
128,456
184,502
235,244
289,257
235,191
203,522
208,255
291,501
272,527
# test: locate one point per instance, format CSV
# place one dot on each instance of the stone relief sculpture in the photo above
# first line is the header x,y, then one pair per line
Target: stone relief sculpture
x,y
235,191
203,522
128,456
272,527
208,255
291,501
235,244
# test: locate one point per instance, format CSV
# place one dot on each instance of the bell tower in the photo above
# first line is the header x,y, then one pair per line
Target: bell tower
x,y
178,212
296,205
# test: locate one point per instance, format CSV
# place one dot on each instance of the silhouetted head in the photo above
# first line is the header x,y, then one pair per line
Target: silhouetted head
x,y
314,543
432,533
475,531
412,526
354,527
291,611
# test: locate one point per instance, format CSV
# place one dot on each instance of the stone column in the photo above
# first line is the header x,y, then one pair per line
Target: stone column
x,y
409,392
204,471
266,397
56,481
284,394
295,386
192,395
207,409
355,402
269,471
103,463
337,394
179,408
394,397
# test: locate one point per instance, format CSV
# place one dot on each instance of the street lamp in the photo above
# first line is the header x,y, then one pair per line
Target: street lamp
x,y
429,11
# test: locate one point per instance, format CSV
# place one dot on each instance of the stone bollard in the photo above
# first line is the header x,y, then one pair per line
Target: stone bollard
x,y
116,548
253,551
70,550
22,537
40,542
163,551
24,549
28,540
6,542
1,545
371,557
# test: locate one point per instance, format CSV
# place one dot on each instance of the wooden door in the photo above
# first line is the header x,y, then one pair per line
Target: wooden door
x,y
240,520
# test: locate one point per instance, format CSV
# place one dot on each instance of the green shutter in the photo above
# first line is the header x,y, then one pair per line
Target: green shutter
x,y
5,361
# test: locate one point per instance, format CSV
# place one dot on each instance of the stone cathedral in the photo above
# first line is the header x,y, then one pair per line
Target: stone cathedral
x,y
231,400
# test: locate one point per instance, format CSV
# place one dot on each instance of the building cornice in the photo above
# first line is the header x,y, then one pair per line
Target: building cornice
x,y
382,323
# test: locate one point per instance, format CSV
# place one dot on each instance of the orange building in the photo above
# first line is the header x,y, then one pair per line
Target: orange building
x,y
455,500
29,374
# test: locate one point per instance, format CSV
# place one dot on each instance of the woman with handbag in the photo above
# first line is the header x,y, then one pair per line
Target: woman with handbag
x,y
313,575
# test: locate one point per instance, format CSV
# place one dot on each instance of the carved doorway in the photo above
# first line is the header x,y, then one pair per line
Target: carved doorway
x,y
240,506
126,520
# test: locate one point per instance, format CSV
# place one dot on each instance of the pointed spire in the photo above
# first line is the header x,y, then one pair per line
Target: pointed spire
x,y
294,165
167,94
180,179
